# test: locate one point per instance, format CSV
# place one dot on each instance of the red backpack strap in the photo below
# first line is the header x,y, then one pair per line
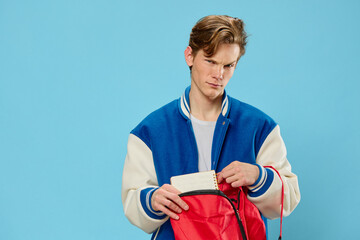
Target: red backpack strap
x,y
282,198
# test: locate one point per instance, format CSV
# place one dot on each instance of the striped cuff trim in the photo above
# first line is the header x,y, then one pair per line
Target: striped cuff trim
x,y
145,199
264,183
261,179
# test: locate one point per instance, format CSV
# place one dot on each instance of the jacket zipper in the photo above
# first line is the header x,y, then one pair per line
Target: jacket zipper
x,y
157,232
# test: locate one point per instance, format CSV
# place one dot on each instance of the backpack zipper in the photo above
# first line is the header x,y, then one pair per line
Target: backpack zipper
x,y
219,193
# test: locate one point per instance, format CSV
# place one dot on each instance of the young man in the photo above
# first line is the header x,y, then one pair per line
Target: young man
x,y
202,130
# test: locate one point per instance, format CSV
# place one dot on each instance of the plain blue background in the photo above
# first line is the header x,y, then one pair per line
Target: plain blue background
x,y
77,76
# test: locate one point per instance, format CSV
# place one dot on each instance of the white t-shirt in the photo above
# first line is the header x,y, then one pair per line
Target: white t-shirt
x,y
204,133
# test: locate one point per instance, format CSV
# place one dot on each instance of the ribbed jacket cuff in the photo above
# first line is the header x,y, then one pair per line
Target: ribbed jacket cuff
x,y
261,185
145,199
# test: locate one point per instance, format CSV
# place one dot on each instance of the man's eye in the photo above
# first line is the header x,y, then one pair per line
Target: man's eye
x,y
210,61
230,65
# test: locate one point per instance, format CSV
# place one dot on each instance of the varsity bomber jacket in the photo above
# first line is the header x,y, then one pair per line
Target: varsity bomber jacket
x,y
163,145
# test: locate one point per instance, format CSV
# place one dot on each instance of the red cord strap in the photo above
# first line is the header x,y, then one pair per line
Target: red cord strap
x,y
282,198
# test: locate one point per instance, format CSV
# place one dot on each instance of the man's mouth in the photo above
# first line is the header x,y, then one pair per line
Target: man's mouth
x,y
214,84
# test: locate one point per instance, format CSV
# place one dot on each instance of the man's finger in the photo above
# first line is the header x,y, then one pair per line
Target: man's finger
x,y
219,177
173,195
228,172
174,198
171,189
181,203
169,212
172,206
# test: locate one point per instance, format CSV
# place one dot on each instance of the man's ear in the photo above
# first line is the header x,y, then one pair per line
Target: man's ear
x,y
189,58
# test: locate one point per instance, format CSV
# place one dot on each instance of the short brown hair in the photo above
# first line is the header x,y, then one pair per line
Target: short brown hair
x,y
211,31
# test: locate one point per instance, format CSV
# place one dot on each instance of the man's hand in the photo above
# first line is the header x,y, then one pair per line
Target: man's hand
x,y
166,199
239,174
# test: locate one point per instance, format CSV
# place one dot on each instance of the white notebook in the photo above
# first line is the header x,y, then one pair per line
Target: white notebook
x,y
195,181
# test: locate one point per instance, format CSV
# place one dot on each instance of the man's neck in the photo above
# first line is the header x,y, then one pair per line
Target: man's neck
x,y
203,108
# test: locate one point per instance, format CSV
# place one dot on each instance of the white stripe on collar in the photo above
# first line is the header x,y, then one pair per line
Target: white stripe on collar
x,y
186,109
225,106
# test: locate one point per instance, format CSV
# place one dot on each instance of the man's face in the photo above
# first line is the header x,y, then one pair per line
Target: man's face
x,y
209,75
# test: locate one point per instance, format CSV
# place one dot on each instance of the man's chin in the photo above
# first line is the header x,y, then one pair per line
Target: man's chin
x,y
214,95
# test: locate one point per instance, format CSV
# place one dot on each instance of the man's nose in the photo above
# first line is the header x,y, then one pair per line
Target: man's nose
x,y
219,73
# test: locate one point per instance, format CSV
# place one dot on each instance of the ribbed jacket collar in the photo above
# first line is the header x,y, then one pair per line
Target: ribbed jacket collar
x,y
184,104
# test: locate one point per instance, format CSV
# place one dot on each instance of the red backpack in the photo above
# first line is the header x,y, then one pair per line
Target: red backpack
x,y
224,214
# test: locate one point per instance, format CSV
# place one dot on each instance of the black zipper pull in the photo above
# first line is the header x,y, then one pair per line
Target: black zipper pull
x,y
238,199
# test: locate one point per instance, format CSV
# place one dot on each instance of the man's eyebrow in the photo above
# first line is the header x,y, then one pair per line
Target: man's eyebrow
x,y
208,58
231,63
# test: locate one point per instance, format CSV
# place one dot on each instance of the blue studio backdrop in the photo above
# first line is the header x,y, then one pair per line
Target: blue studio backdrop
x,y
76,76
